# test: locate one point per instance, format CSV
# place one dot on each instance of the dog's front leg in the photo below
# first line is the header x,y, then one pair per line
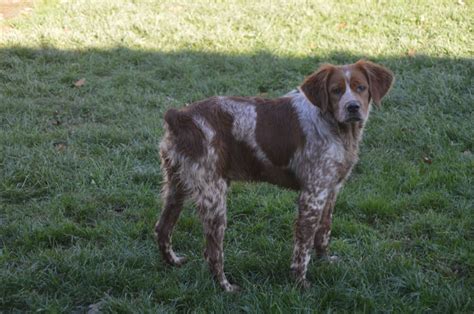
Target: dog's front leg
x,y
323,231
310,209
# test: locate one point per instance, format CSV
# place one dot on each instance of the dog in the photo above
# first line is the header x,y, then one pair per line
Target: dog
x,y
307,141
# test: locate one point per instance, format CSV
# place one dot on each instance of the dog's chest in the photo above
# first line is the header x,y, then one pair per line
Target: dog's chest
x,y
327,161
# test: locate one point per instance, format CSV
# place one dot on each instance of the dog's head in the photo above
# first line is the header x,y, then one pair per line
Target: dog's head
x,y
347,91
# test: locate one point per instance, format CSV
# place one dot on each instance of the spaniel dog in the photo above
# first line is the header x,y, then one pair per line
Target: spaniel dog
x,y
307,140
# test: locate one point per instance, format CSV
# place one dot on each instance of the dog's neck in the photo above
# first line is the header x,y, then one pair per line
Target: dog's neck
x,y
350,134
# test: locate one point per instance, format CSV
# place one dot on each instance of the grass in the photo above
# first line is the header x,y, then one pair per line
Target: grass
x,y
79,167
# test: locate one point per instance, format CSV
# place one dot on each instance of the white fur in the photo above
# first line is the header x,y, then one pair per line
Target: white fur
x,y
347,74
244,125
209,133
321,144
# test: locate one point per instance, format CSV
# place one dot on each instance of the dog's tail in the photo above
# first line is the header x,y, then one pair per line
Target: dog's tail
x,y
175,119
187,136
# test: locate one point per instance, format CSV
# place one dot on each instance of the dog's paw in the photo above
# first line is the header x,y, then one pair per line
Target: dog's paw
x,y
324,257
330,258
180,261
303,284
177,261
300,280
333,258
231,288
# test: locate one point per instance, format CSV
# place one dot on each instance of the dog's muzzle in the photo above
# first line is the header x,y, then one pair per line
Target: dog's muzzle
x,y
353,111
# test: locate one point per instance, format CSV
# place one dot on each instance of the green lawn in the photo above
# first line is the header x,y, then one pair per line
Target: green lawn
x,y
79,166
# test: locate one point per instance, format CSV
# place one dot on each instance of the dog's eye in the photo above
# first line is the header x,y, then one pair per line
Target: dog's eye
x,y
361,88
336,91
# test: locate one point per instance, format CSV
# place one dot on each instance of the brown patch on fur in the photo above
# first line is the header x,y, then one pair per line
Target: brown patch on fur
x,y
221,122
315,87
187,137
380,79
281,177
245,166
238,161
278,131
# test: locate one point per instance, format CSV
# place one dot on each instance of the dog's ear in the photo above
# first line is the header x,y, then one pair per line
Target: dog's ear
x,y
380,79
315,87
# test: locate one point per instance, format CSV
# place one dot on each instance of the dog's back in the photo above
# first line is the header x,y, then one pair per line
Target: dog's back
x,y
247,138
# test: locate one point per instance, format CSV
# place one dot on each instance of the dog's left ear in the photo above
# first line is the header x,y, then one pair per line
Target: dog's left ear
x,y
380,79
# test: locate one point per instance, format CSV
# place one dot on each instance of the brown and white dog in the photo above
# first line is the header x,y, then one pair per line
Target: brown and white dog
x,y
306,140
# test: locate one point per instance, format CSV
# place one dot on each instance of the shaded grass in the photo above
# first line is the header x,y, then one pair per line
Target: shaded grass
x,y
79,167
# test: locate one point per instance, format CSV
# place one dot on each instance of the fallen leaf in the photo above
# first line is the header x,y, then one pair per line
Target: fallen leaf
x,y
80,83
118,208
95,308
341,25
60,146
427,160
411,52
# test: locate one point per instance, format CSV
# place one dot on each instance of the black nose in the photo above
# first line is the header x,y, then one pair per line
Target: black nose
x,y
353,107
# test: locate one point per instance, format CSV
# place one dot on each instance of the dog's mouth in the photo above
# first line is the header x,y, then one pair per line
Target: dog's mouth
x,y
353,118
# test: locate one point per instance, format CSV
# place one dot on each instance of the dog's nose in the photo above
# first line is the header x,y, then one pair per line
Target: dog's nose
x,y
353,107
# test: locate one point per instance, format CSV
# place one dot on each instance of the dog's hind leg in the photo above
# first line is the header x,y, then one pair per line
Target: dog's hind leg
x,y
213,213
173,199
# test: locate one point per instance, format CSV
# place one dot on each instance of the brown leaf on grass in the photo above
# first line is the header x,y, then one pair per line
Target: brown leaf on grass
x,y
80,83
60,146
411,52
341,26
95,308
118,208
427,160
56,122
